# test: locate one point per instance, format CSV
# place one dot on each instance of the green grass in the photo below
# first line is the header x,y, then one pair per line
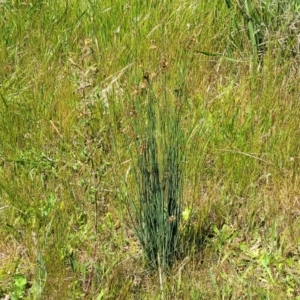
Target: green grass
x,y
72,74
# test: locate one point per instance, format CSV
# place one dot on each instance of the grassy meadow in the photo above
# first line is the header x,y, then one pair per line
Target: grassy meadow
x,y
94,95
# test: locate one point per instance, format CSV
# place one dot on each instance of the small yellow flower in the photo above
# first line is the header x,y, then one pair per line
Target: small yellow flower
x,y
186,214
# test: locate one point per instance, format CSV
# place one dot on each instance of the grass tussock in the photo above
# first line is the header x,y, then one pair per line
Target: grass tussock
x,y
159,149
149,134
